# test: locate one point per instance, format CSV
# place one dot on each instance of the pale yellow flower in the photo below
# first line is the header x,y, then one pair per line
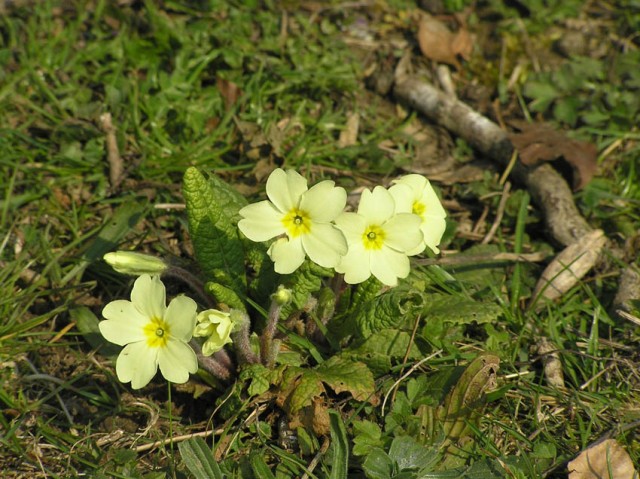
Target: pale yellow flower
x,y
216,326
378,239
421,199
301,218
153,335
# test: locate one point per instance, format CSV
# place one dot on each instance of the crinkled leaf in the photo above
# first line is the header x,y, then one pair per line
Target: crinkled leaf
x,y
304,282
224,295
260,377
342,375
380,348
388,310
457,310
263,278
212,208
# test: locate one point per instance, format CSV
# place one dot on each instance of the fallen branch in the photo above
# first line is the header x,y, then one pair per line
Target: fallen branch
x,y
547,187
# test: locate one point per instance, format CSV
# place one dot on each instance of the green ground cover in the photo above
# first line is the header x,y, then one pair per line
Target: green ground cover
x,y
236,89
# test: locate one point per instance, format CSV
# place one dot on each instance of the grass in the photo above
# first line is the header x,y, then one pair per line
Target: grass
x,y
160,70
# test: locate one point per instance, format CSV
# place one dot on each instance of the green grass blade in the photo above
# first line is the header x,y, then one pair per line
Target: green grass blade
x,y
340,445
199,459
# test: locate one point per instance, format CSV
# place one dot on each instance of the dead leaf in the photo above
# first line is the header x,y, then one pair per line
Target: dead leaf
x,y
540,142
440,44
552,365
349,136
605,460
230,92
569,266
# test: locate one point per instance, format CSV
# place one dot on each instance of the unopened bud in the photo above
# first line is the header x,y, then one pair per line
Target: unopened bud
x,y
282,296
135,264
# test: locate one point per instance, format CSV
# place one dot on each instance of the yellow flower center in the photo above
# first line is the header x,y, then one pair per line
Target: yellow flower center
x,y
157,333
297,222
373,237
419,208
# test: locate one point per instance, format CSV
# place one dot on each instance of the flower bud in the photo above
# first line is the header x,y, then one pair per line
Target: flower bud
x,y
282,296
135,264
217,325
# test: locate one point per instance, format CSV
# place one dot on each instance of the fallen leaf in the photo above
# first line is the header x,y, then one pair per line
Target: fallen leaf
x,y
349,136
440,44
605,460
540,142
569,266
230,92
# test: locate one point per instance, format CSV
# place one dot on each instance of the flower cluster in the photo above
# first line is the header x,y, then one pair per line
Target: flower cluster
x,y
155,335
389,226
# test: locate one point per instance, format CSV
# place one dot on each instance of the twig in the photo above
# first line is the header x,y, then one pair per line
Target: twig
x,y
548,189
499,214
116,166
463,259
184,437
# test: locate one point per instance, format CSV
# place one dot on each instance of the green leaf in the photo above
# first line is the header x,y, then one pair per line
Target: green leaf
x,y
388,310
340,446
459,310
259,466
304,282
367,435
199,459
212,208
224,295
260,377
378,350
410,454
378,465
542,92
342,375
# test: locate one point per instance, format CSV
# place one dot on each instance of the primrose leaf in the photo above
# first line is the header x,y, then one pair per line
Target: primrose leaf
x,y
457,310
212,208
380,348
224,295
342,375
378,465
303,282
388,310
260,378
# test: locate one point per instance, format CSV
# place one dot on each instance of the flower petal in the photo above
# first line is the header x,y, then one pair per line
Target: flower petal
x,y
325,245
352,226
403,232
324,201
181,317
388,265
287,255
376,206
149,296
137,363
433,205
416,182
176,361
284,189
355,264
261,221
124,323
403,197
432,229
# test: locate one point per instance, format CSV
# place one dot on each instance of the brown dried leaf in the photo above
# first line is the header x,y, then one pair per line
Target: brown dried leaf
x,y
438,43
540,142
606,460
571,264
349,136
230,92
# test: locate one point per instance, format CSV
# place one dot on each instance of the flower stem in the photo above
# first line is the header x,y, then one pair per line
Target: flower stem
x,y
209,363
192,281
242,343
268,347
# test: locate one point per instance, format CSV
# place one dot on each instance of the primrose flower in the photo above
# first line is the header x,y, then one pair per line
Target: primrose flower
x,y
153,335
301,218
378,238
421,199
217,325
